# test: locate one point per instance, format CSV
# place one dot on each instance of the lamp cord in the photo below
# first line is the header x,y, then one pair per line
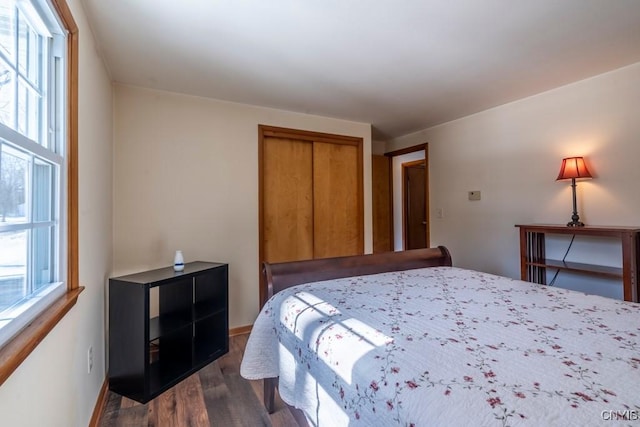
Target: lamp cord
x,y
563,258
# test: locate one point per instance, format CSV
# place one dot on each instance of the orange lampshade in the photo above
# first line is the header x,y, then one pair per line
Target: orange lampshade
x,y
573,167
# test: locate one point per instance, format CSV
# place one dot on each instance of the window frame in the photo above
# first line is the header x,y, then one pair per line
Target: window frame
x,y
15,351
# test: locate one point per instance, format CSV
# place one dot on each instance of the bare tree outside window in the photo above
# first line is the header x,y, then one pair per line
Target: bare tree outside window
x,y
12,186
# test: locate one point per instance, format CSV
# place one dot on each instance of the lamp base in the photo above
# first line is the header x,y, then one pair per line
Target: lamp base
x,y
575,220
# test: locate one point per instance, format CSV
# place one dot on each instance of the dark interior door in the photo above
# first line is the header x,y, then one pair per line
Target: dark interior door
x,y
382,205
415,206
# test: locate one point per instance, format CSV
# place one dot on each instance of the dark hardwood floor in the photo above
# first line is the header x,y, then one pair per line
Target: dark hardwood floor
x,y
215,396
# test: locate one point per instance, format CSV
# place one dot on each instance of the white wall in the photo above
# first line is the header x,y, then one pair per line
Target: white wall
x,y
512,153
186,177
52,388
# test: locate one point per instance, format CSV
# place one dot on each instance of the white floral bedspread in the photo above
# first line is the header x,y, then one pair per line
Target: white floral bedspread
x,y
445,346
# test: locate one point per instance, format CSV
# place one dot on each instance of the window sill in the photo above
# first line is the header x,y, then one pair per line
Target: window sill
x,y
16,351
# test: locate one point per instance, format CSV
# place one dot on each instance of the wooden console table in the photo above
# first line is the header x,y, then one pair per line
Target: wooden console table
x,y
533,262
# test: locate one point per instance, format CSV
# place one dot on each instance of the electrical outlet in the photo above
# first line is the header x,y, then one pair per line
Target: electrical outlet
x,y
89,359
474,195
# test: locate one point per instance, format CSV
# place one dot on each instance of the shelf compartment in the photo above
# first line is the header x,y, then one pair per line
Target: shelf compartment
x,y
209,295
168,323
173,358
533,258
211,339
176,297
205,355
164,375
578,267
203,310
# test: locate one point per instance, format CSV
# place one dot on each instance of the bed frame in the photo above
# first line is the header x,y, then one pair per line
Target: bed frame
x,y
279,276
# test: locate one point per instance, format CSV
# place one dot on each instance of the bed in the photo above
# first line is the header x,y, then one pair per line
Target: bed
x,y
406,339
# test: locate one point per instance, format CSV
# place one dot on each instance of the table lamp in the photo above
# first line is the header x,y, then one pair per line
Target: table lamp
x,y
573,168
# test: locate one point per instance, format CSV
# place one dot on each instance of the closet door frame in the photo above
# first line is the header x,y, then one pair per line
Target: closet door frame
x,y
265,131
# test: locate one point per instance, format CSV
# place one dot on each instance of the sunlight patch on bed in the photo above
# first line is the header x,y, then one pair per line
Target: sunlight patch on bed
x,y
303,389
318,323
356,340
299,310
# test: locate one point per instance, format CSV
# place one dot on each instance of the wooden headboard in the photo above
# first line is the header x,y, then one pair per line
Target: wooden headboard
x,y
279,276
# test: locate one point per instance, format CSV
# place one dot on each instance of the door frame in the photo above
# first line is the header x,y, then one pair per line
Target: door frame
x,y
400,152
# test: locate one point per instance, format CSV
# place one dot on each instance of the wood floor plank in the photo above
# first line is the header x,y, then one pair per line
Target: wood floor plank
x,y
133,416
128,403
214,396
165,409
152,415
191,409
230,363
110,411
281,416
252,412
211,378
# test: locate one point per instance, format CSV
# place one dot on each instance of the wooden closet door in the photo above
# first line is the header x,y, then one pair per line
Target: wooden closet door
x,y
337,200
310,196
287,200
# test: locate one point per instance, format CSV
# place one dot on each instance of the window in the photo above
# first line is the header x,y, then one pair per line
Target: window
x,y
33,162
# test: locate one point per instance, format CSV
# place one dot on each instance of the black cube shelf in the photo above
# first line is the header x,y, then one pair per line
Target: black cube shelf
x,y
149,355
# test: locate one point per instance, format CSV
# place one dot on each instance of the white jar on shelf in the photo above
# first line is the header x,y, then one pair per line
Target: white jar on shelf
x,y
178,261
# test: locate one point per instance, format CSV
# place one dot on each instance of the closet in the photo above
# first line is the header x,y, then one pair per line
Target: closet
x,y
310,195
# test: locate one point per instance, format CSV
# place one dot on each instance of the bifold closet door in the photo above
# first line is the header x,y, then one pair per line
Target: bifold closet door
x,y
310,196
287,200
337,199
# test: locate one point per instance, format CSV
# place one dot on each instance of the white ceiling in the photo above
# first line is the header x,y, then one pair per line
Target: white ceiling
x,y
400,65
